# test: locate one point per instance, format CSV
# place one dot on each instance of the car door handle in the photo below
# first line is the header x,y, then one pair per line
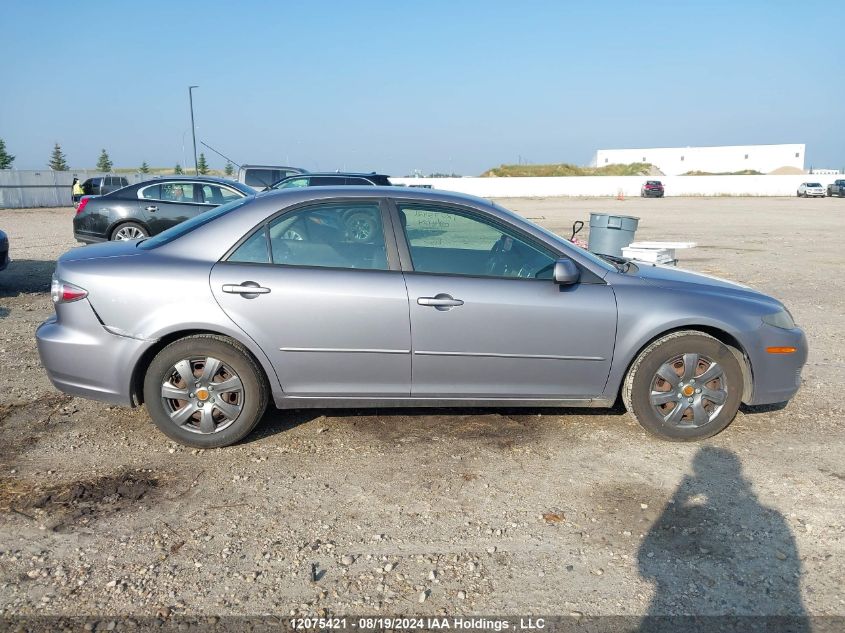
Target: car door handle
x,y
152,208
440,302
246,288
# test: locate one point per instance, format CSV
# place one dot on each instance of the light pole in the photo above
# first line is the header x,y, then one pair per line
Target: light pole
x,y
193,129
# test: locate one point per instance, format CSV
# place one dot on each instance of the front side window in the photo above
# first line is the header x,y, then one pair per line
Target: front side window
x,y
293,183
455,242
330,235
215,194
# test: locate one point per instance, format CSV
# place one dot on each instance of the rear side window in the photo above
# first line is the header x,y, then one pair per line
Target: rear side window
x,y
262,178
329,235
152,192
326,181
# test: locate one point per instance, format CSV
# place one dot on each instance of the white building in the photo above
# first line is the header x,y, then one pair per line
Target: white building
x,y
673,161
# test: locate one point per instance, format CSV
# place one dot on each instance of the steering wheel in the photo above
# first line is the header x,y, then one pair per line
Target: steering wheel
x,y
497,260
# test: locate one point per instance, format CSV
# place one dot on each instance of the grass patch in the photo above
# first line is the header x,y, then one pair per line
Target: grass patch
x,y
567,169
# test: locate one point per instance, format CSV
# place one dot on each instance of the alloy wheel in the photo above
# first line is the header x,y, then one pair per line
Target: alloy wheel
x,y
688,391
126,233
202,395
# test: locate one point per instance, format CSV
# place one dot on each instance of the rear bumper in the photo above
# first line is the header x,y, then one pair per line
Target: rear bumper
x,y
776,377
83,359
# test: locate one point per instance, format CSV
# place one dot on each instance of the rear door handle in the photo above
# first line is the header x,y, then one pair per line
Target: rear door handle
x,y
440,301
245,288
152,208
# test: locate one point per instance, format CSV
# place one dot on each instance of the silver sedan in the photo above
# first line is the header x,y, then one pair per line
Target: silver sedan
x,y
445,300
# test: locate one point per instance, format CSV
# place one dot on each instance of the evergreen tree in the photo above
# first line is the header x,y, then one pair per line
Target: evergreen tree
x,y
57,159
6,159
202,165
178,169
144,169
104,162
230,169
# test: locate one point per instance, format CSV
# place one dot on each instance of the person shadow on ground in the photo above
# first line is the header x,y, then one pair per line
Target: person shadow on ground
x,y
719,558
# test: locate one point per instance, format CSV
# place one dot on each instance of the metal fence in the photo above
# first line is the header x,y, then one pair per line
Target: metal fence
x,y
45,188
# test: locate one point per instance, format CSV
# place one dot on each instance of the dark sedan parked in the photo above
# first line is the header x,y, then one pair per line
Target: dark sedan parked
x,y
4,250
333,179
151,207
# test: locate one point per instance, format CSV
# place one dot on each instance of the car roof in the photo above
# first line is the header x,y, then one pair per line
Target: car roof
x,y
351,191
341,174
214,179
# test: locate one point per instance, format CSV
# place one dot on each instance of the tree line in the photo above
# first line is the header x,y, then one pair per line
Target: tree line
x,y
58,162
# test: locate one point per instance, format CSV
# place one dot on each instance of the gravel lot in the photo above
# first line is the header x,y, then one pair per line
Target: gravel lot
x,y
433,512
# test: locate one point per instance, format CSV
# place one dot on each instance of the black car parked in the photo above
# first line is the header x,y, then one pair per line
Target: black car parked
x,y
332,179
103,184
152,206
4,250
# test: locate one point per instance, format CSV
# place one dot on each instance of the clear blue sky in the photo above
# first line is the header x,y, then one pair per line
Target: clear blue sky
x,y
436,85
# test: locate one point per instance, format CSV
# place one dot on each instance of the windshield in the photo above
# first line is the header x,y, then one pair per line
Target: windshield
x,y
814,184
604,265
175,232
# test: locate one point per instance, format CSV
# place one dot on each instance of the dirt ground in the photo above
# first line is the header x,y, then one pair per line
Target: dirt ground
x,y
432,512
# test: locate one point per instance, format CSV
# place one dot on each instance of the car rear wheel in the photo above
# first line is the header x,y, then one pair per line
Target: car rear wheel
x,y
129,231
205,391
685,386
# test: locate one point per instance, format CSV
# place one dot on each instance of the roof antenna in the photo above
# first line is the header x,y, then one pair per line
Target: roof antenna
x,y
220,154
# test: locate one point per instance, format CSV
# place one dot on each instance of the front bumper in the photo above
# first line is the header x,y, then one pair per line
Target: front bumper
x,y
776,377
83,359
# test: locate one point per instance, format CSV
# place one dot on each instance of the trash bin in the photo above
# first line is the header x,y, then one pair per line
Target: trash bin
x,y
610,233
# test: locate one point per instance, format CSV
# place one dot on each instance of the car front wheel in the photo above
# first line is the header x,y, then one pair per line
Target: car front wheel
x,y
685,386
205,391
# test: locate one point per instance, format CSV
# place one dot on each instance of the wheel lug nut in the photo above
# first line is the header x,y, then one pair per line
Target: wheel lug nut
x,y
689,399
698,391
190,395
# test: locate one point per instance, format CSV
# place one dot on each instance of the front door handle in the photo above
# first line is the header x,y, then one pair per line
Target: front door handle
x,y
152,208
247,289
440,301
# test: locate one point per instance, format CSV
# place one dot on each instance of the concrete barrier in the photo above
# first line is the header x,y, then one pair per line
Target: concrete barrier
x,y
603,186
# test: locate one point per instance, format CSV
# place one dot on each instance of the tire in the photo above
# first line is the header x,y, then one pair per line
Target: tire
x,y
664,354
361,227
128,231
222,417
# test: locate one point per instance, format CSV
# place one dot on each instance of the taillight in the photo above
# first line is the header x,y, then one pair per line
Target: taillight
x,y
82,204
63,292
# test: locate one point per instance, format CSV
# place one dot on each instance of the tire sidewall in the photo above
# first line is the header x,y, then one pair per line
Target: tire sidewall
x,y
255,396
665,351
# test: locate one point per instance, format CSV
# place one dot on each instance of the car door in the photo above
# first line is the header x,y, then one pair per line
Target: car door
x,y
168,203
488,321
330,311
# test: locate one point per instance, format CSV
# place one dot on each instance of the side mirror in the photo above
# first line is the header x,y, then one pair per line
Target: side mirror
x,y
566,272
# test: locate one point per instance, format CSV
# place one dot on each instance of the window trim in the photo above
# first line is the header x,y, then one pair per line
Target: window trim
x,y
405,251
391,252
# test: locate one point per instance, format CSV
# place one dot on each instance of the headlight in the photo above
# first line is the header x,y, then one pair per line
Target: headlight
x,y
780,319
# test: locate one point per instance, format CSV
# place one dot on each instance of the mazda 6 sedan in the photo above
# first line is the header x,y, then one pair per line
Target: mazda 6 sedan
x,y
450,301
